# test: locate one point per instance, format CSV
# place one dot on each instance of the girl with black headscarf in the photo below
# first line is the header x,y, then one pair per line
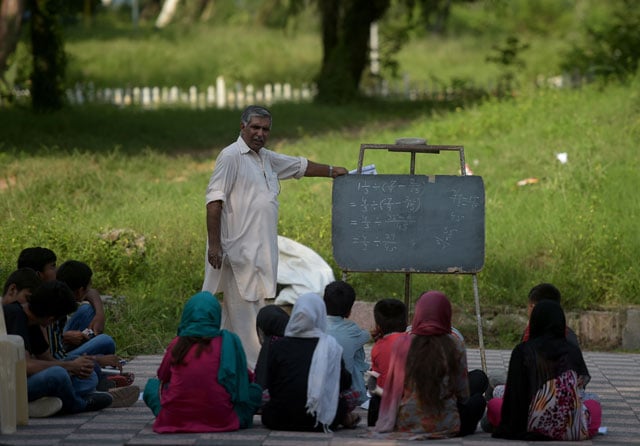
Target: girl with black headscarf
x,y
270,324
546,378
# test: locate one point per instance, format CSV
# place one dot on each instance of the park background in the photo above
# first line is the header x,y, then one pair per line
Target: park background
x,y
515,82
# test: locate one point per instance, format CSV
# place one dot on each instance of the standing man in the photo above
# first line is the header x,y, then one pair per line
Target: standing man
x,y
242,223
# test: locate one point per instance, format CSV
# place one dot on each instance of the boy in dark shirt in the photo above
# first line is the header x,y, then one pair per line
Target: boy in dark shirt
x,y
73,382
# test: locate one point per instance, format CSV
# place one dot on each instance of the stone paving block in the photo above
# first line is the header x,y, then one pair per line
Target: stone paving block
x,y
614,380
161,441
293,442
35,442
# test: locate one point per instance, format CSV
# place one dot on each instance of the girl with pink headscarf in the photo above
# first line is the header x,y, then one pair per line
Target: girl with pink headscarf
x,y
427,390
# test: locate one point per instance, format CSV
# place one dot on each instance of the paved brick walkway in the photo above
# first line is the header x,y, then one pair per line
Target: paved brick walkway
x,y
615,378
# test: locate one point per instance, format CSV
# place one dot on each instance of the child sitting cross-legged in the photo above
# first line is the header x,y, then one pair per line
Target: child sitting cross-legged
x,y
339,298
390,316
203,381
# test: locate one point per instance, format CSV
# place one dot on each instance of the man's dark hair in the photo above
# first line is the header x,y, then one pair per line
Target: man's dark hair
x,y
75,274
544,291
36,258
52,299
390,315
22,278
339,297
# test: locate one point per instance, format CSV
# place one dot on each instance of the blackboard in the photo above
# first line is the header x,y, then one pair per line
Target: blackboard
x,y
408,223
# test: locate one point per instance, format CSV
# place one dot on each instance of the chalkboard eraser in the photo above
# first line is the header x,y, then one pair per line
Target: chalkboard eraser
x,y
411,141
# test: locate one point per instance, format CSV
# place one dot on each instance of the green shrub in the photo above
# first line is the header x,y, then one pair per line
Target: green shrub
x,y
610,48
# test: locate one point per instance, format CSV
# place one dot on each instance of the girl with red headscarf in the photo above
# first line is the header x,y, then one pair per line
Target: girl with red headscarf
x,y
427,390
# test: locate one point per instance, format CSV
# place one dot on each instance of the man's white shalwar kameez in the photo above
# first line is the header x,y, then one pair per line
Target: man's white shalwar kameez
x,y
248,185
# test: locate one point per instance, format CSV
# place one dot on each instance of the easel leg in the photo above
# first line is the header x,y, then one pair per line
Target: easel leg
x,y
407,295
483,358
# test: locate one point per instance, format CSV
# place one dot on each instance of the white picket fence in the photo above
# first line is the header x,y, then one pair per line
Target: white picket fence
x,y
238,96
218,96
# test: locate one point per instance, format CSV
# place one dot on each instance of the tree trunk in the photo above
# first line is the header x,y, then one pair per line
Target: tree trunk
x,y
49,60
345,42
10,21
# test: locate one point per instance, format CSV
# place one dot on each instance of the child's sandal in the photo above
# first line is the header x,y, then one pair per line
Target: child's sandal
x,y
351,420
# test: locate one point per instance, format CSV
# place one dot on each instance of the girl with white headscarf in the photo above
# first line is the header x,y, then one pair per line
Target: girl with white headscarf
x,y
305,373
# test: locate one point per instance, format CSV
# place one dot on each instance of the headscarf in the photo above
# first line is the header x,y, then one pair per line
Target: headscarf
x,y
547,337
309,320
272,320
432,317
201,317
547,320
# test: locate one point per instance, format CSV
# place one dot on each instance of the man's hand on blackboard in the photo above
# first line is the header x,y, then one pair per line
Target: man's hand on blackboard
x,y
338,171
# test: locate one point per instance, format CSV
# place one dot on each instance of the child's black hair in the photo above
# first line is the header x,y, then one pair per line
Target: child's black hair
x,y
53,298
75,274
36,258
544,291
22,278
390,315
339,297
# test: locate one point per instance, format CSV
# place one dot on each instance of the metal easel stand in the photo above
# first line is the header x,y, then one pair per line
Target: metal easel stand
x,y
413,146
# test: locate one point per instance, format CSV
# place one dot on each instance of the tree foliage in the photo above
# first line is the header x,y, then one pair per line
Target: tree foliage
x,y
611,50
10,22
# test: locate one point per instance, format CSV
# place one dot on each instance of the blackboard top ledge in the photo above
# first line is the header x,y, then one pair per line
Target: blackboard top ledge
x,y
450,270
412,147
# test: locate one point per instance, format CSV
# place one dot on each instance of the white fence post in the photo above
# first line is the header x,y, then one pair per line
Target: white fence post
x,y
146,97
193,96
277,92
155,96
268,94
221,92
136,96
174,95
211,95
79,95
118,97
239,103
250,94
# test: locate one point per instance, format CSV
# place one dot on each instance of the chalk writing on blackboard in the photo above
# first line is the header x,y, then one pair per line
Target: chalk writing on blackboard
x,y
408,222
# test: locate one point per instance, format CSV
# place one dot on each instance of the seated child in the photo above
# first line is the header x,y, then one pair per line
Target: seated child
x,y
69,343
305,374
546,291
546,377
203,382
390,316
69,385
427,388
65,344
19,286
41,260
85,322
339,298
75,332
270,325
537,294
